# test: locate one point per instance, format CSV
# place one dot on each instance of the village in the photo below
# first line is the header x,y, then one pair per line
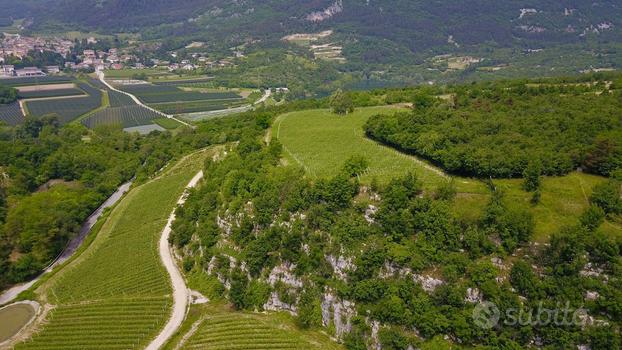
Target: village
x,y
16,48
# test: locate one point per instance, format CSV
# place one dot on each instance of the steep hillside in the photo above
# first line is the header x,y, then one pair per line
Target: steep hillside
x,y
418,25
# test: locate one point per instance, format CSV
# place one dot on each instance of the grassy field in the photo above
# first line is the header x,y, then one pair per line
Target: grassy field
x,y
116,294
321,141
215,326
13,318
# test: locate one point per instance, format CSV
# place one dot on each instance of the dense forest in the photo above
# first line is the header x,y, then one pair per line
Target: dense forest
x,y
397,263
497,129
7,95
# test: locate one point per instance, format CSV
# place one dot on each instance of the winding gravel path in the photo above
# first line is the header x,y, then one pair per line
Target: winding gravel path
x,y
181,294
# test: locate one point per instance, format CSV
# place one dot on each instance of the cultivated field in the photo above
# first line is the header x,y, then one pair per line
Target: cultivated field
x,y
67,109
11,114
197,106
321,142
13,82
150,93
219,328
127,116
116,294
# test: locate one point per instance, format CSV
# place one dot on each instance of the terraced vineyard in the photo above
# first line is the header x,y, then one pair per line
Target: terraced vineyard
x,y
126,116
11,114
116,294
67,109
222,329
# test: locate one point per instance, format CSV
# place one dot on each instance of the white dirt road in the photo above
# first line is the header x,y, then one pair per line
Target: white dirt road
x,y
181,293
138,102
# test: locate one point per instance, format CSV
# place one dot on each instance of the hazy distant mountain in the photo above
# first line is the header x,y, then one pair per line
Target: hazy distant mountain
x,y
433,27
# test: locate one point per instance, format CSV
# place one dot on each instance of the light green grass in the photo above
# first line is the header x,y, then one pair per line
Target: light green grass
x,y
321,142
221,328
116,294
167,123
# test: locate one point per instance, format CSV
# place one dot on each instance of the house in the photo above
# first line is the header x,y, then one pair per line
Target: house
x,y
7,70
89,53
188,67
116,66
29,72
52,69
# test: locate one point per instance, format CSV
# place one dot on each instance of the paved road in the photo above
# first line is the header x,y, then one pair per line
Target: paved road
x,y
73,245
181,294
101,76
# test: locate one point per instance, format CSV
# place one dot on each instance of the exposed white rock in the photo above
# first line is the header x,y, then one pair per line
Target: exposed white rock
x,y
473,296
319,16
275,304
428,283
390,270
591,295
284,273
375,328
590,270
341,266
532,29
498,263
338,312
568,12
370,212
524,12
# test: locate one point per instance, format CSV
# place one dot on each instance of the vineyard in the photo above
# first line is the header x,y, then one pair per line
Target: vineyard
x,y
35,80
149,93
196,106
11,114
223,329
183,82
117,99
67,109
50,93
127,116
116,294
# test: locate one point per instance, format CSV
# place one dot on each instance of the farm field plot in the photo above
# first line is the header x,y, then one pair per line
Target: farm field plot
x,y
321,142
50,93
118,99
196,106
68,108
116,294
223,329
35,80
11,114
149,93
127,116
181,82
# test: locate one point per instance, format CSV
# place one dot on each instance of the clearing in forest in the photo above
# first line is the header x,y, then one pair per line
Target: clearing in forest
x,y
321,141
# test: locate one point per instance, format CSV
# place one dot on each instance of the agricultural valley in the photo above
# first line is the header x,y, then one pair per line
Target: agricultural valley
x,y
343,174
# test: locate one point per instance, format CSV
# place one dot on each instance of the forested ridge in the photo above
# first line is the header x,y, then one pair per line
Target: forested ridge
x,y
399,264
497,129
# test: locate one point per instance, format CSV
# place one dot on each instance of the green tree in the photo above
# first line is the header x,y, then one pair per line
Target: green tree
x,y
532,174
341,103
592,217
